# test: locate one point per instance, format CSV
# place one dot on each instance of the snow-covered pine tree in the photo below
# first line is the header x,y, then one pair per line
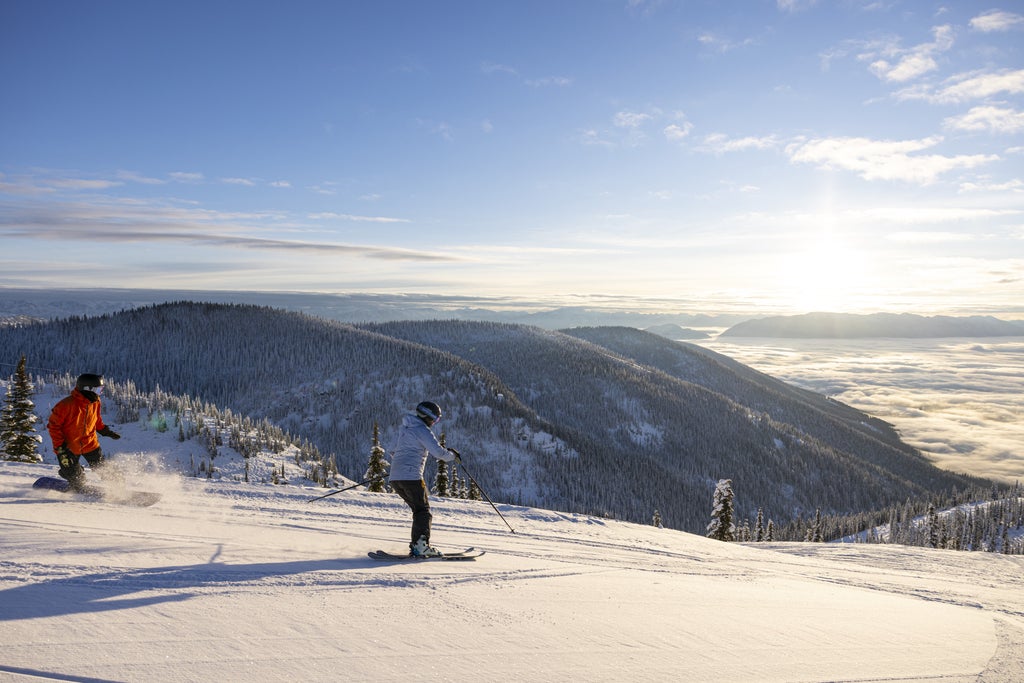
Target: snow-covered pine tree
x,y
721,527
377,469
474,492
815,533
441,480
18,439
933,526
759,526
442,483
656,520
456,485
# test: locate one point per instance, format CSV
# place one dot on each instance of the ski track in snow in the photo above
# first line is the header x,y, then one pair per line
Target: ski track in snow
x,y
236,582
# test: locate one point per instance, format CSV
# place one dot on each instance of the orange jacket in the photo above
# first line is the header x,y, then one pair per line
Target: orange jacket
x,y
73,423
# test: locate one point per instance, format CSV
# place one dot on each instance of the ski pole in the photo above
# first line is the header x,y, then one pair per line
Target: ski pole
x,y
347,488
486,497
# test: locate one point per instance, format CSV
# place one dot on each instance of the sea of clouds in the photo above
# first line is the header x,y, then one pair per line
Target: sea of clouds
x,y
960,401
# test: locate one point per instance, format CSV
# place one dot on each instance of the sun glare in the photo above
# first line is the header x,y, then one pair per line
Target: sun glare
x,y
828,275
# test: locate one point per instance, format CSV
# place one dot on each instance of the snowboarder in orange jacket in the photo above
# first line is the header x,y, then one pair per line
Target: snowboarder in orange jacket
x,y
73,425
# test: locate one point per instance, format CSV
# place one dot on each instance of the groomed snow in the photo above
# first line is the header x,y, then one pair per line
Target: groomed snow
x,y
226,581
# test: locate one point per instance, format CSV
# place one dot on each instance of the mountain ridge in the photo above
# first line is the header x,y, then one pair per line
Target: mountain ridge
x,y
858,326
546,417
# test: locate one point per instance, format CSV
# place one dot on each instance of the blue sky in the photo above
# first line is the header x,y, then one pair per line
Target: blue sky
x,y
777,155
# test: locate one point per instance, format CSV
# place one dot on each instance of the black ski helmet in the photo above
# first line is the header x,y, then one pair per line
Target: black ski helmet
x,y
89,382
429,411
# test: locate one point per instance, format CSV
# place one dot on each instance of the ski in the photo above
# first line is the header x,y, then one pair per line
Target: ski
x,y
97,493
467,554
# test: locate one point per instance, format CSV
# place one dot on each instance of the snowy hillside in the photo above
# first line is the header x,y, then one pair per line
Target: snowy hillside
x,y
549,418
227,581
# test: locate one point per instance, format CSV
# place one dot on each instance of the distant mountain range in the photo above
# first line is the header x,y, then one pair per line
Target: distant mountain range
x,y
602,420
47,304
851,326
673,331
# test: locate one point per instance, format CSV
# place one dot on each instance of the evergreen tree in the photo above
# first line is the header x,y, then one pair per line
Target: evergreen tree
x,y
378,466
474,492
933,526
18,439
456,487
721,527
759,527
815,533
656,520
442,483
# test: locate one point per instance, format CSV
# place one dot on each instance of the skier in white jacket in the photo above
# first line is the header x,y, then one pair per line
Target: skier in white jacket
x,y
408,459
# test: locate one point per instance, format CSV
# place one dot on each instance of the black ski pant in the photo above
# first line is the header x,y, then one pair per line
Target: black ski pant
x,y
75,474
414,493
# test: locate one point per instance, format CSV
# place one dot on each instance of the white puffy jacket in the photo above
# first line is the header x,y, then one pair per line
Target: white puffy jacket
x,y
415,442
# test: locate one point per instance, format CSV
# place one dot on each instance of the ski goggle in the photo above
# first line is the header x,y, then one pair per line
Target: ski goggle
x,y
95,390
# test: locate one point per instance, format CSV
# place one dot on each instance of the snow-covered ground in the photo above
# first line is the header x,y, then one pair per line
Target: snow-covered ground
x,y
226,581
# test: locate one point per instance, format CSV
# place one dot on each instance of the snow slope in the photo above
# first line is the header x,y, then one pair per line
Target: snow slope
x,y
229,581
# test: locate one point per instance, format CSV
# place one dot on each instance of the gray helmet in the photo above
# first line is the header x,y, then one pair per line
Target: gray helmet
x,y
429,412
89,382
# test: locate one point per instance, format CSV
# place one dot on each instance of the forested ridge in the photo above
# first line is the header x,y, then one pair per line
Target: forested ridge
x,y
608,421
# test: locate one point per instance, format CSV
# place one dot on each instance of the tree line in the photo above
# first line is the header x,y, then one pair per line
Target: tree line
x,y
977,520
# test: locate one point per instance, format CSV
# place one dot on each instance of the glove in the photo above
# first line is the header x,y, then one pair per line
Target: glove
x,y
458,458
65,457
107,431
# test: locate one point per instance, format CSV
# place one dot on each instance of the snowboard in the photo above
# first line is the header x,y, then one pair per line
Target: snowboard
x,y
467,554
98,493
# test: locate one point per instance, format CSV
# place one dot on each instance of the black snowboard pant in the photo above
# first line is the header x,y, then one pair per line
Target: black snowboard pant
x,y
75,474
414,493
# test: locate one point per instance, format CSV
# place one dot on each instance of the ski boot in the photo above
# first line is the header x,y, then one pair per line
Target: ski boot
x,y
423,549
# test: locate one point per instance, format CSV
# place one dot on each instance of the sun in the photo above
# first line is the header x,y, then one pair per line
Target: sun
x,y
828,274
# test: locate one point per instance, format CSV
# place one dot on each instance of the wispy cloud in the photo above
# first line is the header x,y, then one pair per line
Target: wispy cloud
x,y
678,131
720,143
889,60
594,137
134,222
794,5
898,65
361,219
1015,185
490,68
629,119
997,20
721,44
55,182
81,184
186,177
493,68
990,119
135,177
548,81
442,129
632,128
883,159
964,87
